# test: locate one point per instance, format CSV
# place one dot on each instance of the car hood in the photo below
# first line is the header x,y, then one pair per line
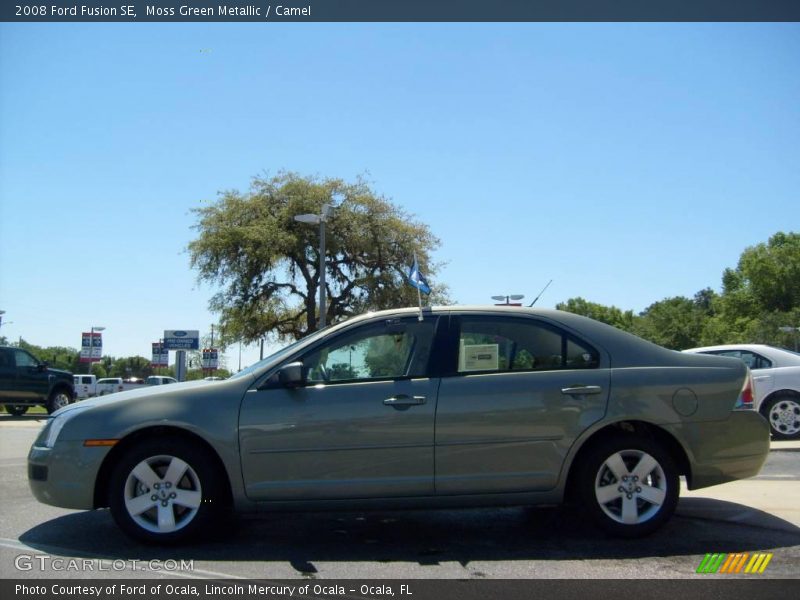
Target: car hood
x,y
59,372
193,405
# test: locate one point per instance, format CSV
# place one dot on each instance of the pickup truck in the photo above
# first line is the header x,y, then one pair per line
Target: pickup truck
x,y
26,381
85,386
110,385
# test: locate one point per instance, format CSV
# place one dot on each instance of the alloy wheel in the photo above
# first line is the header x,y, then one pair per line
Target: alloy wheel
x,y
163,494
630,487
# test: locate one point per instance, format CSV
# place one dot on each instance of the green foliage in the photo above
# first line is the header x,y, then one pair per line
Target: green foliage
x,y
759,296
675,323
610,315
267,264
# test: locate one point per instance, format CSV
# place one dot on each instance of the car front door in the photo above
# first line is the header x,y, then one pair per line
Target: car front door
x,y
359,426
33,380
8,375
520,394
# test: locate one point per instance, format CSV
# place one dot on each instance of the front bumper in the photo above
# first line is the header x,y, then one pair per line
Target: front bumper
x,y
722,451
65,475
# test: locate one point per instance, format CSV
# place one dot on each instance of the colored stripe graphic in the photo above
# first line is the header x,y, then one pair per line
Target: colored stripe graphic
x,y
734,563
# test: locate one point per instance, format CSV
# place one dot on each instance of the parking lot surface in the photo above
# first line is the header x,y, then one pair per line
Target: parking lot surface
x,y
761,514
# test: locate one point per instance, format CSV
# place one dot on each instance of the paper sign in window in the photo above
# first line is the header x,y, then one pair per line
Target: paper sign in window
x,y
480,357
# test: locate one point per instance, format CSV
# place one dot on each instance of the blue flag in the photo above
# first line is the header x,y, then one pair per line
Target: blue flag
x,y
416,279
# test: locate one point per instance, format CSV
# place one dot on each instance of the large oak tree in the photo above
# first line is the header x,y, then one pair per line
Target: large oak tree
x,y
266,264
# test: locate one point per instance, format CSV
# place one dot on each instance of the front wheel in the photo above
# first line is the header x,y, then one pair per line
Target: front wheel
x,y
783,414
165,491
16,410
629,486
58,399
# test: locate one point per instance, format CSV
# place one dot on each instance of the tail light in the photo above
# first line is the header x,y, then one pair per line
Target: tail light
x,y
745,400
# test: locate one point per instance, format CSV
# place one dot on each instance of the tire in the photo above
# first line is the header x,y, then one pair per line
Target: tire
x,y
628,486
59,398
16,410
783,414
166,491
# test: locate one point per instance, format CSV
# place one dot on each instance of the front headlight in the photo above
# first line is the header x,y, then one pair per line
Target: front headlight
x,y
57,424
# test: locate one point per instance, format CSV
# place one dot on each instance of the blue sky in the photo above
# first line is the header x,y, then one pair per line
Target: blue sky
x,y
627,162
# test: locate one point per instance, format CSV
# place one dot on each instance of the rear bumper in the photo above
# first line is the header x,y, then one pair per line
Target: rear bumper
x,y
722,451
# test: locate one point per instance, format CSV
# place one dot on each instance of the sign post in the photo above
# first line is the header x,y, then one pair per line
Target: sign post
x,y
181,340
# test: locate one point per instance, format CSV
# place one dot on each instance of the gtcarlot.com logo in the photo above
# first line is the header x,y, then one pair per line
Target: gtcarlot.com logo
x,y
740,562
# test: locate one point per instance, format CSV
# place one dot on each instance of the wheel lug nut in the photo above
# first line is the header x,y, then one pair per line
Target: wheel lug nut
x,y
630,496
624,478
155,498
621,489
638,490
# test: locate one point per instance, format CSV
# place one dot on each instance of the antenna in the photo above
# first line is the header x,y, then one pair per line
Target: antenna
x,y
540,293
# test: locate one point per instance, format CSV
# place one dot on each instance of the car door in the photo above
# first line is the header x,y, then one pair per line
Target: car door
x,y
361,425
519,394
8,375
33,380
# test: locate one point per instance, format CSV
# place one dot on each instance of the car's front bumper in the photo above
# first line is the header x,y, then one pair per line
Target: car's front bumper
x,y
65,475
722,451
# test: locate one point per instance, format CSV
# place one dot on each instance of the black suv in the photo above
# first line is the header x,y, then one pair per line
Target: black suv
x,y
26,381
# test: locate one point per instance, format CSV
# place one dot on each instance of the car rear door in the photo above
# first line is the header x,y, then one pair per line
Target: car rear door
x,y
519,394
361,426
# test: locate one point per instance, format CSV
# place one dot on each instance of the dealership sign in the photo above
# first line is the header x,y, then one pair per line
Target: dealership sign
x,y
210,358
91,346
181,339
160,355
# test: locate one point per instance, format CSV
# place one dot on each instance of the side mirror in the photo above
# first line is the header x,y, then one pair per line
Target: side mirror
x,y
292,375
42,366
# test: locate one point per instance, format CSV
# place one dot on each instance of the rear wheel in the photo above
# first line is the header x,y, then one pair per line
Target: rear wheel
x,y
628,486
165,491
58,399
16,410
783,414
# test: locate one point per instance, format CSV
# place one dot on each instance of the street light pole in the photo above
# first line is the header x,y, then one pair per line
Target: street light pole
x,y
320,219
323,296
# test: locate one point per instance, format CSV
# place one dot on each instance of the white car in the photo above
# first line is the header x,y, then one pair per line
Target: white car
x,y
776,377
160,380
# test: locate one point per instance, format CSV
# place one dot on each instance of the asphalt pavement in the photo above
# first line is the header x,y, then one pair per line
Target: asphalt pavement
x,y
761,514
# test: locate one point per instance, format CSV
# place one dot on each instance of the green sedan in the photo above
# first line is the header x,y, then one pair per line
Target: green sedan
x,y
448,407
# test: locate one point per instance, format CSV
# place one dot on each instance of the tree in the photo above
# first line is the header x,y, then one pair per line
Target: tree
x,y
267,263
675,323
771,272
610,315
759,296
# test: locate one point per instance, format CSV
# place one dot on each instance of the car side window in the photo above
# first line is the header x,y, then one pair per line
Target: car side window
x,y
751,359
502,344
392,349
24,359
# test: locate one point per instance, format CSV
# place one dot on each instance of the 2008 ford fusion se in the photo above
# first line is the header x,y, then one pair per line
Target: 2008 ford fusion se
x,y
448,407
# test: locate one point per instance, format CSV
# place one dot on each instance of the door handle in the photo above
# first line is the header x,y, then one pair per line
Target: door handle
x,y
580,390
404,400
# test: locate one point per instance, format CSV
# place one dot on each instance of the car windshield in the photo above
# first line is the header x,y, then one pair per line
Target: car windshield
x,y
279,354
